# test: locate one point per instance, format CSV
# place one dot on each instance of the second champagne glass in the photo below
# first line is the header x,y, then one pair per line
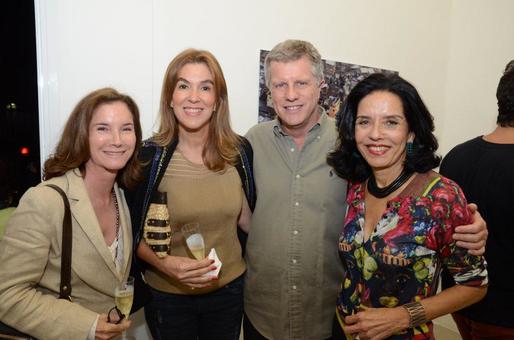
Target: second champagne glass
x,y
124,296
194,239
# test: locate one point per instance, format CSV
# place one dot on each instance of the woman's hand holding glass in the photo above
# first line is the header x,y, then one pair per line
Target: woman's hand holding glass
x,y
119,314
187,270
108,330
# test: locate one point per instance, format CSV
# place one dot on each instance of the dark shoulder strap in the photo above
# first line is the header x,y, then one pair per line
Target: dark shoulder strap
x,y
159,163
65,287
245,169
421,184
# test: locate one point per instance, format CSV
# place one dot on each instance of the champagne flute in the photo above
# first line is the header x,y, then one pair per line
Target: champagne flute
x,y
194,239
124,296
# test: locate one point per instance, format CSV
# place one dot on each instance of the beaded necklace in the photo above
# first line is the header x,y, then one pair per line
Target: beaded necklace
x,y
117,225
387,190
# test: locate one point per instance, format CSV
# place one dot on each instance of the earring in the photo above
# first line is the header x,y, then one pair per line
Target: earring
x,y
410,149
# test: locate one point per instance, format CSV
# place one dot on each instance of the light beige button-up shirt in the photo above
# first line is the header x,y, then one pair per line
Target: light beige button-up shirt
x,y
293,267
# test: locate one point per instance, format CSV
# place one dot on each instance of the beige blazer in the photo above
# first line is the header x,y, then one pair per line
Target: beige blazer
x,y
30,261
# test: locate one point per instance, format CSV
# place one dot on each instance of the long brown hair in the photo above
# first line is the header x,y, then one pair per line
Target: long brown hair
x,y
72,151
222,141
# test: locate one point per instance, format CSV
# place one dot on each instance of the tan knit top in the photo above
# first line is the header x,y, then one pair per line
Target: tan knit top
x,y
214,199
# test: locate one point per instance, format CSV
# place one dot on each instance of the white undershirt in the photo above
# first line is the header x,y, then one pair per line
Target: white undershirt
x,y
118,263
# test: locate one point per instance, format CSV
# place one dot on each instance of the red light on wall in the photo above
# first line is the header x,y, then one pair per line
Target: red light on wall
x,y
24,151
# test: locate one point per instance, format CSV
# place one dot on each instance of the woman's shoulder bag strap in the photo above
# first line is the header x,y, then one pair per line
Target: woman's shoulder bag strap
x,y
65,287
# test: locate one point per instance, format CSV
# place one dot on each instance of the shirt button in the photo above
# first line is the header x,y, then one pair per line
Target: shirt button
x,y
297,203
294,287
294,261
298,176
292,149
318,137
295,232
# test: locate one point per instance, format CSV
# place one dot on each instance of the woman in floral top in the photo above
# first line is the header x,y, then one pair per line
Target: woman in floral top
x,y
397,234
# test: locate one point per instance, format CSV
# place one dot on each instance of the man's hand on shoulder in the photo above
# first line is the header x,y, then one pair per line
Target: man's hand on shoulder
x,y
472,236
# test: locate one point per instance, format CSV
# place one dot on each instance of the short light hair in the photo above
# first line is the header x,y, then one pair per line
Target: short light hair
x,y
292,50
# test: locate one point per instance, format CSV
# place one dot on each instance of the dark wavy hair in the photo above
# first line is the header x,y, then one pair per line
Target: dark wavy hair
x,y
346,159
505,97
72,151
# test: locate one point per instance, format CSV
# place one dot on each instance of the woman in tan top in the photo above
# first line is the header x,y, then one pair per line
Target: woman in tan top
x,y
205,169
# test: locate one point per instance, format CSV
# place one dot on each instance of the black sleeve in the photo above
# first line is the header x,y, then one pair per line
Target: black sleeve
x,y
136,195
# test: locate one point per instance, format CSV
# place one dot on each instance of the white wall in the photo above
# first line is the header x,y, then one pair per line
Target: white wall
x,y
481,44
84,45
127,44
452,50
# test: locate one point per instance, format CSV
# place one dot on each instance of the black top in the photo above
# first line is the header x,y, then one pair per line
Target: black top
x,y
485,172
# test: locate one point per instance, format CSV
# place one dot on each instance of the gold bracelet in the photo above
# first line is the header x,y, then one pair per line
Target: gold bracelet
x,y
417,315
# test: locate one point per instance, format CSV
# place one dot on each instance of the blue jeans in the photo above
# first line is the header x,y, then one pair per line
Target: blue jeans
x,y
215,315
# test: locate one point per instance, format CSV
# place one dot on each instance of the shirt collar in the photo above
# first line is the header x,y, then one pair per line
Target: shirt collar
x,y
320,124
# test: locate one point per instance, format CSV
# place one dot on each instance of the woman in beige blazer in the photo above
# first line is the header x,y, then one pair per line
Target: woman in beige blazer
x,y
98,150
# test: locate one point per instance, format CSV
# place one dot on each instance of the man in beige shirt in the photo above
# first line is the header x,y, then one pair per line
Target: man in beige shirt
x,y
293,268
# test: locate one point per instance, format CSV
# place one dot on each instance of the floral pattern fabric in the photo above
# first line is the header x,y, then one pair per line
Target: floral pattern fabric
x,y
402,259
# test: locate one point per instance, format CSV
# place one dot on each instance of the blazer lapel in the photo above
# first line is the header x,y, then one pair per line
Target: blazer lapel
x,y
126,229
82,211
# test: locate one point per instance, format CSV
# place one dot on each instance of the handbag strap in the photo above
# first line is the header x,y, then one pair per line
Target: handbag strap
x,y
65,286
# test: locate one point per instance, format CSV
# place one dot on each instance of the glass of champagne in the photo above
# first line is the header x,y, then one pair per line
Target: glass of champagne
x,y
124,296
194,239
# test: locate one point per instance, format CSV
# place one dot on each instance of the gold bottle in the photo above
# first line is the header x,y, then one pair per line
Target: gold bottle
x,y
157,230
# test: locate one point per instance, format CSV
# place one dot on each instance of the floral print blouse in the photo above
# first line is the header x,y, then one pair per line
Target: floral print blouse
x,y
402,259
